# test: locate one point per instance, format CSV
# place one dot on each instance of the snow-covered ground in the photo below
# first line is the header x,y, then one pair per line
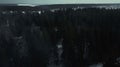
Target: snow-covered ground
x,y
52,58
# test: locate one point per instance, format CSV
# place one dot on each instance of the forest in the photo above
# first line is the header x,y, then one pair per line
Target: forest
x,y
66,37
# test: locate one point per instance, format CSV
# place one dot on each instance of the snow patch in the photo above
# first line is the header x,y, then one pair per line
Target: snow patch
x,y
97,65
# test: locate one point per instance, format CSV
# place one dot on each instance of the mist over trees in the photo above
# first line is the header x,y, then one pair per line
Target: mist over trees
x,y
89,36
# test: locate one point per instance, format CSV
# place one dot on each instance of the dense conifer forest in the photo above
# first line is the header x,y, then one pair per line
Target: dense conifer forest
x,y
66,37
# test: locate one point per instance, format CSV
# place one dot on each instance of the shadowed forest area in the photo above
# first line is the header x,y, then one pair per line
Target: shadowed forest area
x,y
86,36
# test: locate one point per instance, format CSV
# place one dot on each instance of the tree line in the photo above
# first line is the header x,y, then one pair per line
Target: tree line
x,y
90,35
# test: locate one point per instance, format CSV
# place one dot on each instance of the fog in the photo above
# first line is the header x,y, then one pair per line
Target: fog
x,y
56,1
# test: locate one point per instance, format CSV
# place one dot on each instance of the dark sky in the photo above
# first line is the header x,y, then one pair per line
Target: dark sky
x,y
56,1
